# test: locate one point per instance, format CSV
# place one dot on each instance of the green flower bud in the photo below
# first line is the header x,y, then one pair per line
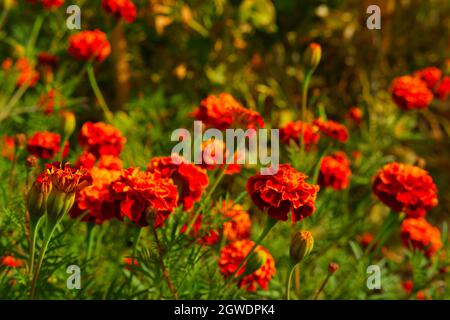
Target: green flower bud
x,y
37,198
312,56
68,123
301,245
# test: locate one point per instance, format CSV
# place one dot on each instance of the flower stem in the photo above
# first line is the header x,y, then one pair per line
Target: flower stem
x,y
289,280
322,286
98,93
133,257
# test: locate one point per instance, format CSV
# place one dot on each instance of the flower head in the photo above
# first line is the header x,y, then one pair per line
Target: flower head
x,y
234,253
121,8
335,171
88,45
285,191
144,197
101,139
44,145
11,262
405,188
223,112
27,75
332,129
215,155
293,131
443,89
190,179
411,93
418,234
355,114
429,75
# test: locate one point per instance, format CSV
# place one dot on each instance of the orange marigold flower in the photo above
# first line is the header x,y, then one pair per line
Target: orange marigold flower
x,y
88,45
411,93
238,224
234,253
190,179
27,74
11,262
215,155
110,162
45,145
418,234
355,114
443,89
332,129
121,8
8,146
48,101
293,131
223,112
96,199
144,197
67,179
283,192
405,188
335,171
429,75
101,139
86,160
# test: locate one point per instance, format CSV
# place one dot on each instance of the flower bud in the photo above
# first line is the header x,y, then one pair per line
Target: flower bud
x,y
301,245
31,161
312,56
68,123
37,198
333,267
59,203
20,140
256,260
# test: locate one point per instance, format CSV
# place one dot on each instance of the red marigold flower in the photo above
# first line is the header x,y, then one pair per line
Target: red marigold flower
x,y
355,114
88,45
86,160
144,196
190,179
283,192
67,179
238,224
411,93
128,261
335,171
408,286
11,262
96,199
8,147
234,253
50,100
293,131
223,112
332,129
101,139
429,75
215,155
443,89
110,162
121,8
44,145
207,237
405,188
417,233
27,74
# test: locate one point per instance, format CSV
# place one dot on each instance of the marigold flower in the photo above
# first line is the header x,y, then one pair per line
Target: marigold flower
x,y
335,171
88,45
429,75
207,237
143,197
411,93
11,262
121,8
223,112
238,224
302,244
365,239
355,114
101,139
8,147
215,155
48,101
110,162
190,179
293,131
418,234
45,145
86,160
443,89
332,129
27,75
234,253
405,188
128,261
96,199
283,192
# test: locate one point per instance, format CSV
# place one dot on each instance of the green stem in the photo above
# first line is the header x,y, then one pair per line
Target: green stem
x,y
133,257
34,232
289,281
322,286
98,93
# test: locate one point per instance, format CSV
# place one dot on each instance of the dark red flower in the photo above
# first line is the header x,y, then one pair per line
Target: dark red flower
x,y
355,114
121,8
443,89
429,75
335,171
293,131
232,255
45,145
190,179
101,139
89,45
418,234
332,129
411,93
405,188
144,197
283,192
